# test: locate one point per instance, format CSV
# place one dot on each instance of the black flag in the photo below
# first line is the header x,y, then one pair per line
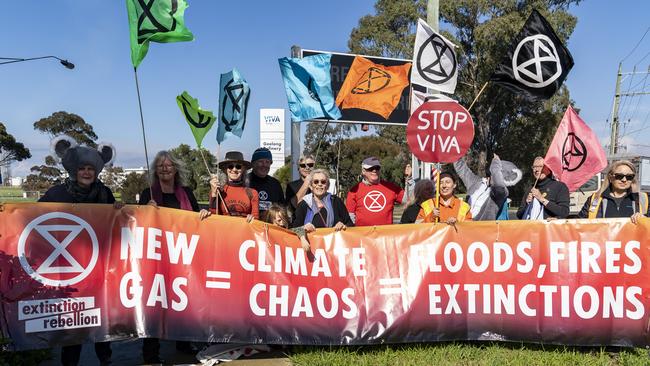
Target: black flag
x,y
537,62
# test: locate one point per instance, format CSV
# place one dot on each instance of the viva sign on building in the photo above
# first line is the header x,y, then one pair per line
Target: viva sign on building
x,y
272,135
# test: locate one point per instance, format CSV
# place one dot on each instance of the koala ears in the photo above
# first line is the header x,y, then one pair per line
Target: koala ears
x,y
107,152
60,144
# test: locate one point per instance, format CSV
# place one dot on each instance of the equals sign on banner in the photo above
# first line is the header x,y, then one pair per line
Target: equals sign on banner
x,y
219,275
390,286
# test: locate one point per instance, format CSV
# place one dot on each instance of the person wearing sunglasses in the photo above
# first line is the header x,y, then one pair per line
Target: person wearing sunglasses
x,y
619,195
371,201
298,188
235,198
547,199
319,208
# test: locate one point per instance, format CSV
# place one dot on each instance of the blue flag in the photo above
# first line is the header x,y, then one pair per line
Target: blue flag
x,y
234,93
309,87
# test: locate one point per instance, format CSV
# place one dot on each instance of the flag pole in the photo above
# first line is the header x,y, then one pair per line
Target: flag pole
x,y
144,137
225,207
477,95
438,167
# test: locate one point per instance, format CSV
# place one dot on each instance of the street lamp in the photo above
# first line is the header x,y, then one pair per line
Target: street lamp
x,y
11,60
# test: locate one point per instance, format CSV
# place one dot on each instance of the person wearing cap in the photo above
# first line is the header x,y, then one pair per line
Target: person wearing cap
x,y
451,209
235,198
371,201
548,198
298,188
267,187
486,196
83,165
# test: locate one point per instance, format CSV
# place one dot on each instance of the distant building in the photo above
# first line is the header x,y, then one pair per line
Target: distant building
x,y
16,181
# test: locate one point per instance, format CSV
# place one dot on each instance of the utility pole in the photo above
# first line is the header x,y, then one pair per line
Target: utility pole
x,y
613,142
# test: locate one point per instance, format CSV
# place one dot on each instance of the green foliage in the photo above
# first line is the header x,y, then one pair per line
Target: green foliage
x,y
133,185
197,177
110,176
284,175
43,176
67,123
10,149
33,357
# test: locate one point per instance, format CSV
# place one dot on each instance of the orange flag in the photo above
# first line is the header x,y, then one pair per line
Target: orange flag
x,y
373,87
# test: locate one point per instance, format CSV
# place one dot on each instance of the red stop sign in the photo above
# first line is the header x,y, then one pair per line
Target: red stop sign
x,y
440,132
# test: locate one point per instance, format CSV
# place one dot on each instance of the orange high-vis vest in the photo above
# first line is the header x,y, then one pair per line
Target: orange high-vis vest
x,y
428,206
373,87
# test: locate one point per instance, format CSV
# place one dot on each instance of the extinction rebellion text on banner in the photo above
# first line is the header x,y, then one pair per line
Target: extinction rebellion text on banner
x,y
71,274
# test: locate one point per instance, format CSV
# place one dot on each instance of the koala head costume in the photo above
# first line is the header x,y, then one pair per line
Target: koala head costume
x,y
74,156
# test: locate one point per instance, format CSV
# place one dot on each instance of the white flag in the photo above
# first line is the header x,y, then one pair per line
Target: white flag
x,y
434,60
418,98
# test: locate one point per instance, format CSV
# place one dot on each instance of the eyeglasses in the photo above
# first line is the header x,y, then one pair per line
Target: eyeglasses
x,y
375,168
308,165
320,181
628,177
161,167
234,166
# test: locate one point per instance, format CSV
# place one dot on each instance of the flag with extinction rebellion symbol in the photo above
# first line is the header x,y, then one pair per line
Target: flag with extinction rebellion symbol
x,y
575,154
537,62
155,21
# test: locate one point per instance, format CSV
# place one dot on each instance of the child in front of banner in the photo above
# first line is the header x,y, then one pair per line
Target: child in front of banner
x,y
619,195
277,215
451,209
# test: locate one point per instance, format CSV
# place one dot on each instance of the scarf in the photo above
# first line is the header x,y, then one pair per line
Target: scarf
x,y
534,211
313,209
179,192
96,193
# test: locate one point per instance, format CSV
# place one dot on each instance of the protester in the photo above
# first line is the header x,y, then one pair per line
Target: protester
x,y
371,201
235,198
451,208
277,215
424,190
619,195
487,196
409,183
268,188
166,177
320,208
298,188
548,198
83,165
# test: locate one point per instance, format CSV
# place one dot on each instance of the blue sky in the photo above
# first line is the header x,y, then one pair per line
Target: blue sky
x,y
251,36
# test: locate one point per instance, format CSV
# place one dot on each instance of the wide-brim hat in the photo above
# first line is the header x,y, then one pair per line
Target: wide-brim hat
x,y
234,157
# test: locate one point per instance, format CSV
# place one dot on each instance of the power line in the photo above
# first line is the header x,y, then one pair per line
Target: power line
x,y
637,45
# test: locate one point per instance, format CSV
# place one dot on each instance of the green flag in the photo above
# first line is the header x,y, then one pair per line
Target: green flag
x,y
200,121
155,21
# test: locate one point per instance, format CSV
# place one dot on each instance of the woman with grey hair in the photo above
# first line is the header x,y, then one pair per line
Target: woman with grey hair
x,y
319,208
166,178
619,195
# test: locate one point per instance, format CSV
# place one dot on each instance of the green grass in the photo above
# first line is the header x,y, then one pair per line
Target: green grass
x,y
467,353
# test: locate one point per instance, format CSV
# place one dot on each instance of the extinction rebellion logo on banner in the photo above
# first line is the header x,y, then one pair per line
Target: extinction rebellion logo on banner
x,y
54,233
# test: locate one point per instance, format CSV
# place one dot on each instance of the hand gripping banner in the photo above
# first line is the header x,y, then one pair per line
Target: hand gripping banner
x,y
78,273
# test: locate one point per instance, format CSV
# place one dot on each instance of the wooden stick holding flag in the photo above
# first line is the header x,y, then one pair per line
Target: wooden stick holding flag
x,y
162,22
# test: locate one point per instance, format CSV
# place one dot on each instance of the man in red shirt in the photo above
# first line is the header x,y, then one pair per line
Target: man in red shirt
x,y
371,201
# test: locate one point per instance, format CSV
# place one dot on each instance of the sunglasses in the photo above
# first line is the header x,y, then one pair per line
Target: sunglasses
x,y
628,177
310,165
234,166
375,168
320,181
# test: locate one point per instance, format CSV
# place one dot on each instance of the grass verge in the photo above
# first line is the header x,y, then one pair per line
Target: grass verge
x,y
467,353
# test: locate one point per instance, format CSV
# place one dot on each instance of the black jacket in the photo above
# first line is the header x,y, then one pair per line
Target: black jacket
x,y
169,199
340,214
556,193
627,206
59,193
268,189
